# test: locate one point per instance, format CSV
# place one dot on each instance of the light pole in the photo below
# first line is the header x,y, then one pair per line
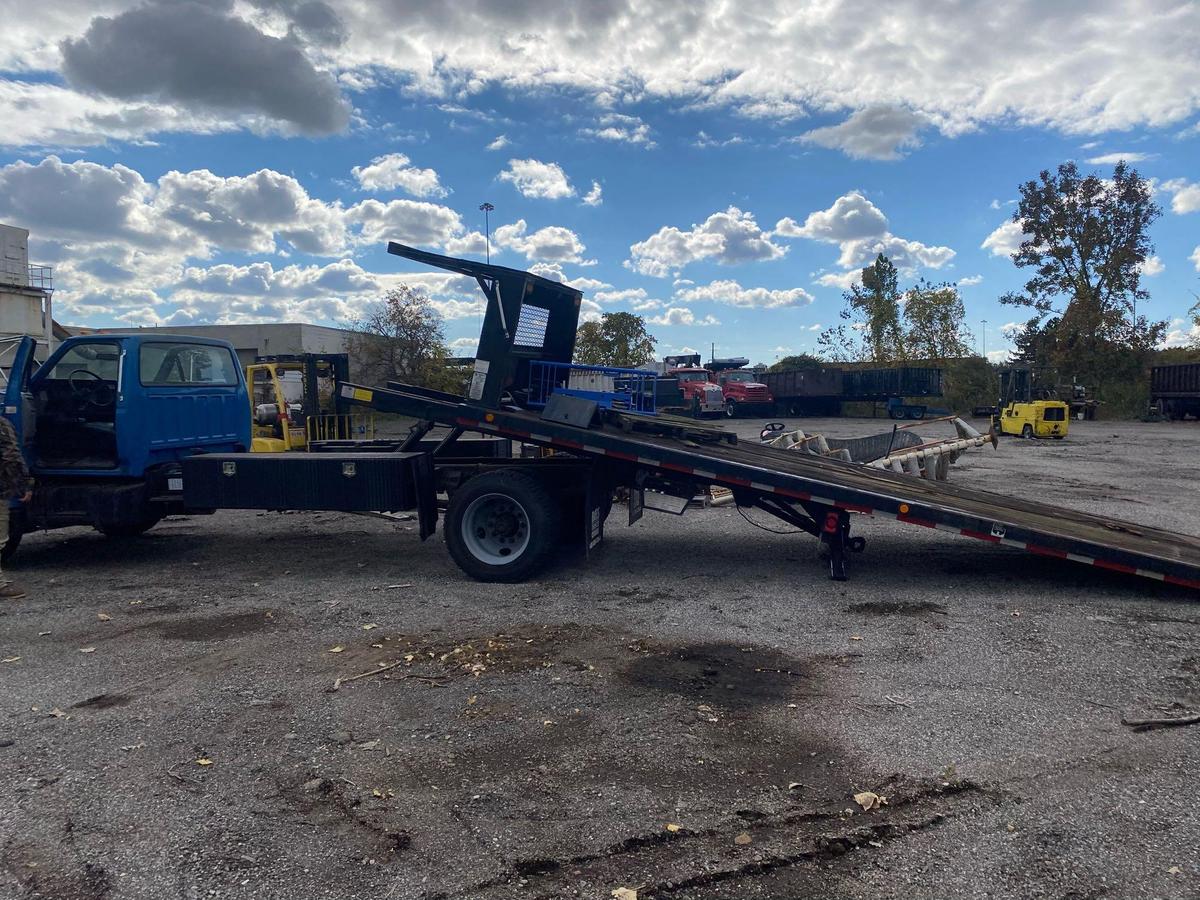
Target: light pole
x,y
983,322
486,208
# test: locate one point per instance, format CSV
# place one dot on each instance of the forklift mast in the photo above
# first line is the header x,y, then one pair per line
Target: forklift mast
x,y
312,367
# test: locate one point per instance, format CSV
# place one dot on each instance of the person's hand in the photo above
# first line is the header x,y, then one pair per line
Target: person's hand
x,y
27,496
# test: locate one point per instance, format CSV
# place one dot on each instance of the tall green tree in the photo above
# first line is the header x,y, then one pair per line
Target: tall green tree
x,y
798,361
873,311
400,338
1086,240
618,339
934,318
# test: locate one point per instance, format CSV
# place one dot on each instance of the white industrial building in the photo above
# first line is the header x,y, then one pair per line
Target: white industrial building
x,y
250,341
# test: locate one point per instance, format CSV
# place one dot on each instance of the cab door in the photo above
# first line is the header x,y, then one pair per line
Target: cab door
x,y
18,401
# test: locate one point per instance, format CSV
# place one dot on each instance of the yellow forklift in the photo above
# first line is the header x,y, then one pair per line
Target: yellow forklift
x,y
294,403
1028,410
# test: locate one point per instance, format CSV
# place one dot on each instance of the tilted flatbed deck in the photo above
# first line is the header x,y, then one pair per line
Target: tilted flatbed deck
x,y
756,472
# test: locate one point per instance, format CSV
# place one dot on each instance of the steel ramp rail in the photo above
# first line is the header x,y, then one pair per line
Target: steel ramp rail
x,y
1038,528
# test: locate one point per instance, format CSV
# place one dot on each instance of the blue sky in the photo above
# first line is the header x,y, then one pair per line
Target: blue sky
x,y
721,173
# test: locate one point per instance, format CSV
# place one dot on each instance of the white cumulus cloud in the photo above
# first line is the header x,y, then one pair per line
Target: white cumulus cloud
x,y
732,293
1004,240
727,237
681,315
534,178
386,173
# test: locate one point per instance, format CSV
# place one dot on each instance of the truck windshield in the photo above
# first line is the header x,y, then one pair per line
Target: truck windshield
x,y
742,377
691,376
177,364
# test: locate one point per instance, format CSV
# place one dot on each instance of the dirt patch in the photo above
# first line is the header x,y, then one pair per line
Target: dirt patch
x,y
44,872
214,628
896,608
726,674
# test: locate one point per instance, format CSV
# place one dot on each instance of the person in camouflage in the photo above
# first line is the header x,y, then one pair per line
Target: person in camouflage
x,y
15,481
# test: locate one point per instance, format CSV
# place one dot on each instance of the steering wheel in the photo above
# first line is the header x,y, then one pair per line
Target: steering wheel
x,y
96,393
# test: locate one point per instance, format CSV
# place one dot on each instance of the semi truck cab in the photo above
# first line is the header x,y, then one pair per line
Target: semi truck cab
x,y
700,394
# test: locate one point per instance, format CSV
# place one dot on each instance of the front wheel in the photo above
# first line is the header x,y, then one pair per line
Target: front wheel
x,y
502,526
128,529
731,409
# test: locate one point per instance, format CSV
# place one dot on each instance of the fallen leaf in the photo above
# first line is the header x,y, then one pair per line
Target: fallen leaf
x,y
625,894
135,602
369,626
673,828
87,649
58,713
855,637
11,659
376,793
869,800
43,633
137,746
204,761
104,617
336,649
742,839
1174,870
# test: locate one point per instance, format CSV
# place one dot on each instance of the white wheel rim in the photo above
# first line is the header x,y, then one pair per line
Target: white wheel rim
x,y
495,529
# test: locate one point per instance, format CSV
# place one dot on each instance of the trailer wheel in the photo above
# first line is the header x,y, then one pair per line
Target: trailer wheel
x,y
502,526
128,529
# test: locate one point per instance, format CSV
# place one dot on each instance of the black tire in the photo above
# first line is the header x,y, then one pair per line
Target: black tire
x,y
1027,432
731,409
696,408
896,412
128,529
530,514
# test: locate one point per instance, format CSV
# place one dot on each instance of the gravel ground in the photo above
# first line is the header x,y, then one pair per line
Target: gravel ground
x,y
687,713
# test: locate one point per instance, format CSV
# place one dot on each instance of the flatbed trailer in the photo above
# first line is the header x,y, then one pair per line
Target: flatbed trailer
x,y
504,518
813,493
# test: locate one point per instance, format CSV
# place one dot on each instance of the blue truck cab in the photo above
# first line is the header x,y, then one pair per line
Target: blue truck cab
x,y
105,422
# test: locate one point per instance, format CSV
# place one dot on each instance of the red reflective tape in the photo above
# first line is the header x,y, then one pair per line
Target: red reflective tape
x,y
467,423
574,445
1116,567
913,520
1182,582
1049,551
855,507
733,479
980,535
619,455
799,495
678,468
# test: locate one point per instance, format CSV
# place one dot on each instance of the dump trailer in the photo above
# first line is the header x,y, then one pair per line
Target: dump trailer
x,y
505,521
821,391
1176,390
806,391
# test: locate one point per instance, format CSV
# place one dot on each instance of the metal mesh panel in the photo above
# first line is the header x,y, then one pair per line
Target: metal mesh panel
x,y
531,327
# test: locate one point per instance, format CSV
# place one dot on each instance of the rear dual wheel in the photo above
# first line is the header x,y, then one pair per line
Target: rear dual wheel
x,y
502,526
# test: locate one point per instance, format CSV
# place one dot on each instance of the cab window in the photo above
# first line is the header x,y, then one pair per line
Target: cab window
x,y
99,360
173,364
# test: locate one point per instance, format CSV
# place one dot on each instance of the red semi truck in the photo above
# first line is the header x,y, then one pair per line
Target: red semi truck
x,y
745,394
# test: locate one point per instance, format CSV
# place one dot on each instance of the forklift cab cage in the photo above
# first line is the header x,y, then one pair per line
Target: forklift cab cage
x,y
528,318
